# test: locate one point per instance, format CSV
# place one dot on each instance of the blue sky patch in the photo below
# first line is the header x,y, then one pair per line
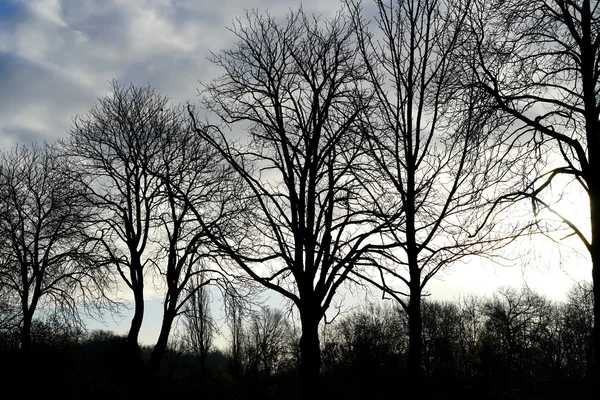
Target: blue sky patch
x,y
9,8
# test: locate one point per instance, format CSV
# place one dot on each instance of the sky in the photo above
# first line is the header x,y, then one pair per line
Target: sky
x,y
57,57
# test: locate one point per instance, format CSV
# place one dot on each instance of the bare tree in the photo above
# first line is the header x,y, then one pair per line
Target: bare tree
x,y
471,327
45,260
148,174
265,340
576,334
297,88
516,318
235,319
195,181
539,61
437,174
113,147
199,325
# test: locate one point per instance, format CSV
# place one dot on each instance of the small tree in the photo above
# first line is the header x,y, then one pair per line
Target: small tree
x,y
235,319
576,333
265,340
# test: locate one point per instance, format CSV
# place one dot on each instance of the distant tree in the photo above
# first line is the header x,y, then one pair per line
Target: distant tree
x,y
441,333
471,327
372,340
198,323
518,322
46,259
576,334
54,331
265,340
235,318
297,87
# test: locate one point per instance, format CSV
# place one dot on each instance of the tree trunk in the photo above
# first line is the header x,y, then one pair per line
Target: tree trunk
x,y
415,344
136,322
595,256
26,331
310,356
158,353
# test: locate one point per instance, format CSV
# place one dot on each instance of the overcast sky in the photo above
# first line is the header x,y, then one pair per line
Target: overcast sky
x,y
57,57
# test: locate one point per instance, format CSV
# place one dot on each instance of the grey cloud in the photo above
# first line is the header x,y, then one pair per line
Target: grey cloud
x,y
57,57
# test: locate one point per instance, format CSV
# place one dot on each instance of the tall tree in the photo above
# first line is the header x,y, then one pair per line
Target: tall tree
x,y
297,88
436,173
199,325
539,61
45,260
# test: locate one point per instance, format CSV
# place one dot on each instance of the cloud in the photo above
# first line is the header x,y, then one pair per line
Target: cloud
x,y
57,57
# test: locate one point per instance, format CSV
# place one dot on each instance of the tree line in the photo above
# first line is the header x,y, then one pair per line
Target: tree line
x,y
514,343
337,152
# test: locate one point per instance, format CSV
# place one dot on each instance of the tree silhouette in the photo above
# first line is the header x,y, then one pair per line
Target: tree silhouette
x,y
199,325
436,175
46,259
147,175
297,88
194,181
265,340
538,60
113,147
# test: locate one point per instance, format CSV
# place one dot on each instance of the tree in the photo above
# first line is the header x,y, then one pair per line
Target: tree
x,y
194,181
265,340
576,333
538,60
199,325
436,175
471,327
441,332
46,259
517,319
371,349
235,318
147,176
113,147
297,89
